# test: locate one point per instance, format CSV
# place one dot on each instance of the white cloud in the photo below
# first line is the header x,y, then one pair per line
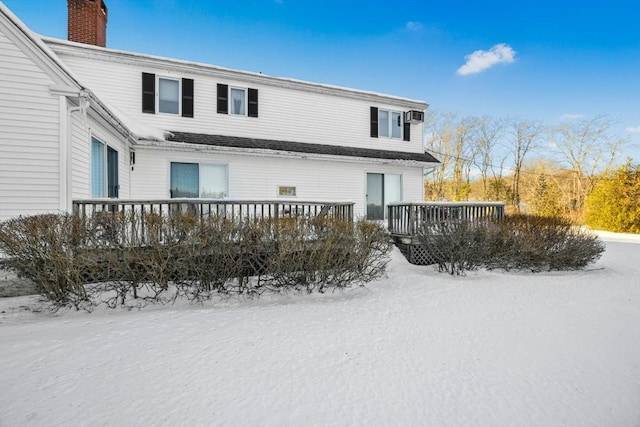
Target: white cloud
x,y
414,26
481,60
633,129
570,116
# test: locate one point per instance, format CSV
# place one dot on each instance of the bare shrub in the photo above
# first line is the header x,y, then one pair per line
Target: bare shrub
x,y
539,243
137,258
43,248
327,253
455,246
518,242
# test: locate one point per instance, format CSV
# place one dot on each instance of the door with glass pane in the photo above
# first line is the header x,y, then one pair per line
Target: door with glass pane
x,y
97,168
382,189
375,196
104,170
113,187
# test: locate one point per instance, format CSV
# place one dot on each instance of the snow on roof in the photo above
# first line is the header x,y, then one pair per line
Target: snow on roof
x,y
138,129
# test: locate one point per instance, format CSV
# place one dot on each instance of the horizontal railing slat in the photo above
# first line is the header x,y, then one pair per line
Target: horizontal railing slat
x,y
405,219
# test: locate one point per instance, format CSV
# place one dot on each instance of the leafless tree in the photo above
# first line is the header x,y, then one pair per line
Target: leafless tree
x,y
487,133
588,147
525,137
438,140
448,138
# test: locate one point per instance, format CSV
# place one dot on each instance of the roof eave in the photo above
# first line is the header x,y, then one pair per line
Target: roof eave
x,y
181,146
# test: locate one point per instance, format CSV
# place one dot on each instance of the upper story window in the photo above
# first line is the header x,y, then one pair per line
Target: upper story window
x,y
167,95
389,124
237,101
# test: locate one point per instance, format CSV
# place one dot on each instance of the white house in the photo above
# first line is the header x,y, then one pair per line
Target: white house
x,y
79,120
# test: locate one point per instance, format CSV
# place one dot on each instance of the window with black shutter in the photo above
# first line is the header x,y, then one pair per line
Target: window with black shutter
x,y
388,124
187,97
165,90
148,93
223,99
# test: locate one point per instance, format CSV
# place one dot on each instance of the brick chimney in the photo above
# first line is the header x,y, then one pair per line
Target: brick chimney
x,y
87,22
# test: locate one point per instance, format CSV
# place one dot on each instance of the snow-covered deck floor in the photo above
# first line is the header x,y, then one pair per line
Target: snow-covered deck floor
x,y
417,348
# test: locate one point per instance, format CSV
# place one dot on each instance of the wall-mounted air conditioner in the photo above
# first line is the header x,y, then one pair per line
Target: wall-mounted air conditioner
x,y
414,116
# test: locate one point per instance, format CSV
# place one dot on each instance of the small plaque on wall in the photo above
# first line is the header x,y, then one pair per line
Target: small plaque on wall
x,y
286,191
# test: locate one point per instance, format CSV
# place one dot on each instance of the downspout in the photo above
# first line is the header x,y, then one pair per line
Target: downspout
x,y
67,147
63,158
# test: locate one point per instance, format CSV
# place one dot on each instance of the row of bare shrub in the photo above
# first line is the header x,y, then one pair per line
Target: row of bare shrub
x,y
519,242
117,258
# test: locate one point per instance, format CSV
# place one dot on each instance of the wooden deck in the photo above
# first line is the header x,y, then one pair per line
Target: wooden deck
x,y
406,219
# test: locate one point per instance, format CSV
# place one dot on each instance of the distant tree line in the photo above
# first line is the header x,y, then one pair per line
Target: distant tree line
x,y
534,167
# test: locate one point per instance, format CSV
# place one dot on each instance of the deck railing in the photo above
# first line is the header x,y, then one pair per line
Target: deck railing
x,y
230,209
405,219
105,212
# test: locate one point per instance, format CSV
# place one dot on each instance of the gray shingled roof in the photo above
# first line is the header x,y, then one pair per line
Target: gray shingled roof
x,y
297,147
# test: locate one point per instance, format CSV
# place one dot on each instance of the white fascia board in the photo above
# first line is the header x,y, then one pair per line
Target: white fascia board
x,y
63,90
186,147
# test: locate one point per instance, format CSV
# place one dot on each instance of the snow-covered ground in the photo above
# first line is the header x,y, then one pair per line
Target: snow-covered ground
x,y
417,348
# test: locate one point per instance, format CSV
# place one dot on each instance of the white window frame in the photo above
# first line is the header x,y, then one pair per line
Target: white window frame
x,y
200,164
105,167
175,79
245,101
390,124
104,178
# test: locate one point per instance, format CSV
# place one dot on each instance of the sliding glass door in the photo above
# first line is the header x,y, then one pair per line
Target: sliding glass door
x,y
382,189
104,170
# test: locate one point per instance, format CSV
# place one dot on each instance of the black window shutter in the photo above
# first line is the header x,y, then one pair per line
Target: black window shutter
x,y
148,93
187,97
252,95
407,131
374,122
223,99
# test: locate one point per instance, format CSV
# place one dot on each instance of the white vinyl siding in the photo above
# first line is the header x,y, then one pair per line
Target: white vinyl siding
x,y
29,136
80,158
285,113
81,155
256,177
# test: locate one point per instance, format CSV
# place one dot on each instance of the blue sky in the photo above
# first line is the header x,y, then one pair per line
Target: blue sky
x,y
543,60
